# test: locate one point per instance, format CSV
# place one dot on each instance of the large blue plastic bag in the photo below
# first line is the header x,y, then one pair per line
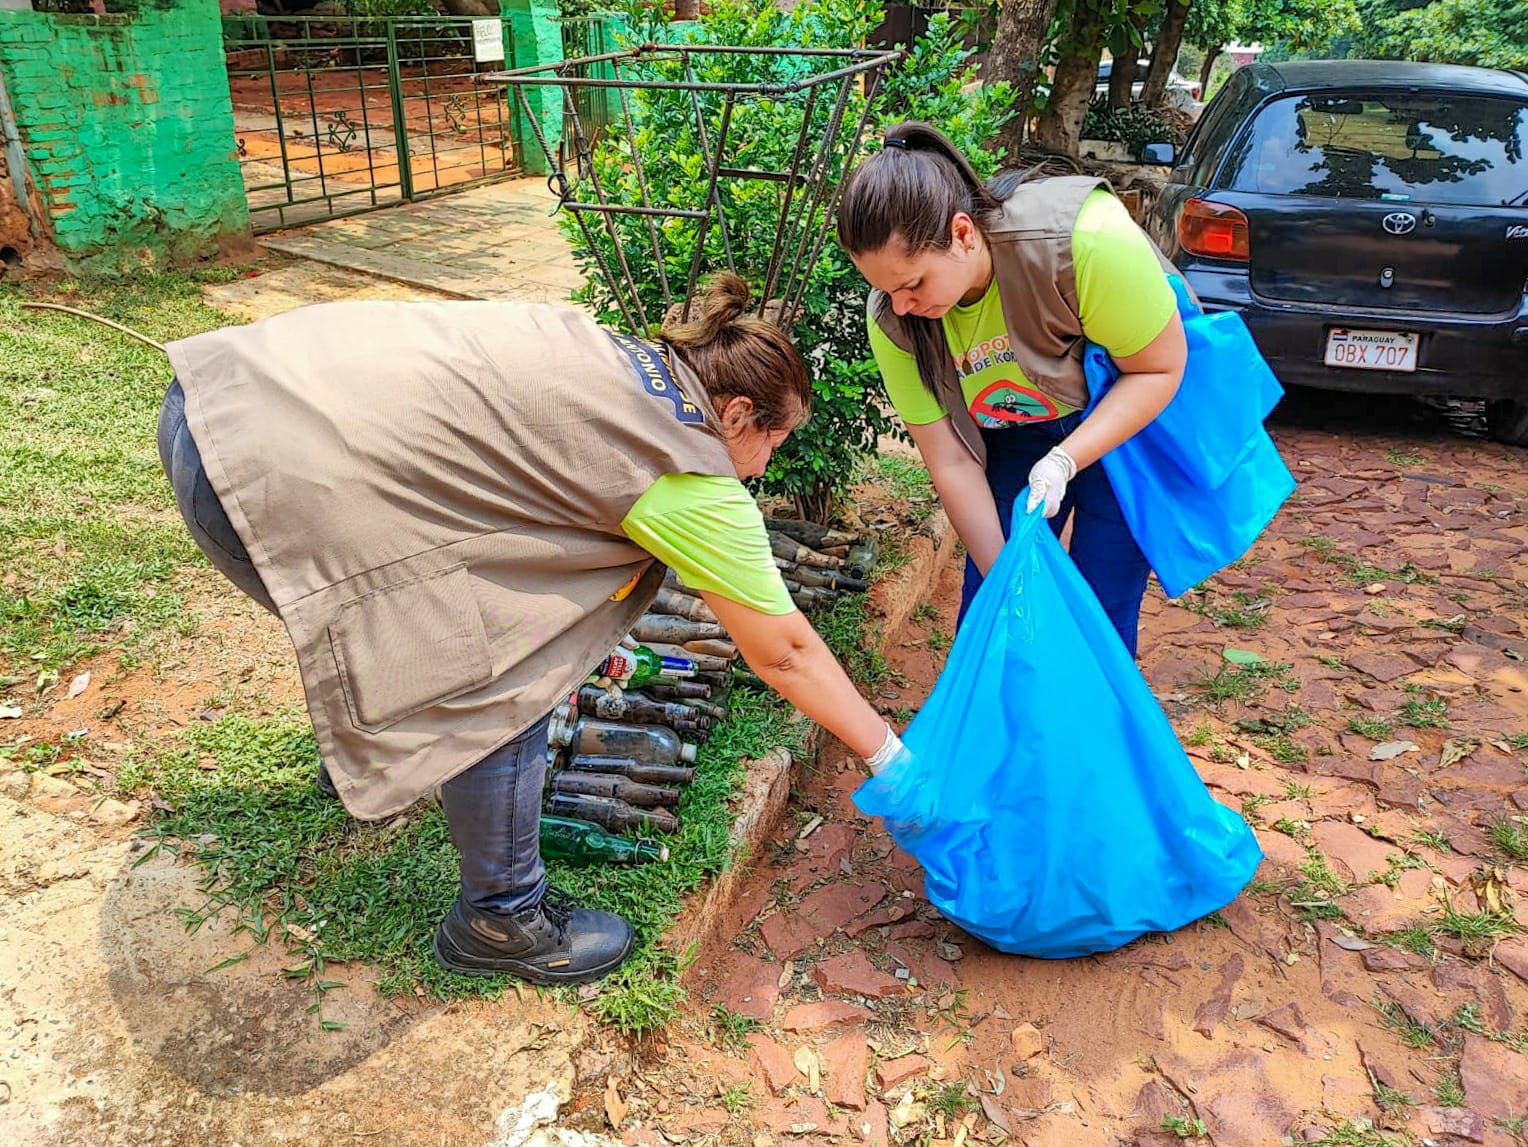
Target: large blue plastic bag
x,y
1203,480
1045,793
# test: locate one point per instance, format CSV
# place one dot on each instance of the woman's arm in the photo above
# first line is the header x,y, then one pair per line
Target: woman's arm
x,y
963,490
786,652
1147,382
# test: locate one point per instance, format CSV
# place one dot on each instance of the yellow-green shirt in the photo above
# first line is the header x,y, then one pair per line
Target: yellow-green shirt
x,y
708,530
1123,300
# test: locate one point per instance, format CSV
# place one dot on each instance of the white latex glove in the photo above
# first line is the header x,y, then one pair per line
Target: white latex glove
x,y
1048,478
891,748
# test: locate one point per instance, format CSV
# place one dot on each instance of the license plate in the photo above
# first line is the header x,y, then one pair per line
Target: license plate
x,y
1371,350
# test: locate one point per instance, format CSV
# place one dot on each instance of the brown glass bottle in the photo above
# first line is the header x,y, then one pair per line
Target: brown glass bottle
x,y
617,816
613,785
635,770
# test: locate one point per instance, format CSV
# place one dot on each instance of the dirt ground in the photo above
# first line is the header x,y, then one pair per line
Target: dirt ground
x,y
1263,1025
114,1031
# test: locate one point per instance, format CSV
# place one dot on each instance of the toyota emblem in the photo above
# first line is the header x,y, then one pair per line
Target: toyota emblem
x,y
1399,223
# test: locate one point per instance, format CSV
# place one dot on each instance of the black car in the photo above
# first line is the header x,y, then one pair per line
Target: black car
x,y
1370,222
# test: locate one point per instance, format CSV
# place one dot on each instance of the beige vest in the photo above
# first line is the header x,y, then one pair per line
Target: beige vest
x,y
1032,261
432,493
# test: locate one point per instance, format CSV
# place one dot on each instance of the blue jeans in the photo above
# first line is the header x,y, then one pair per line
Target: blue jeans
x,y
493,809
1102,547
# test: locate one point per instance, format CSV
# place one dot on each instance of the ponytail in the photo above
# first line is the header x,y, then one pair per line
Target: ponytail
x,y
737,356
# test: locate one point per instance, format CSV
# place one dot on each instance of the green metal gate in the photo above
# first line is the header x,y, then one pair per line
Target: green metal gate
x,y
337,115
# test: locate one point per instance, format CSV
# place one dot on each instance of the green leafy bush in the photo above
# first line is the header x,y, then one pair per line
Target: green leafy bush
x,y
1132,126
849,413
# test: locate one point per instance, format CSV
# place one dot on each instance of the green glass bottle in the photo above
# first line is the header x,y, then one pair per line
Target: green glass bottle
x,y
580,842
633,668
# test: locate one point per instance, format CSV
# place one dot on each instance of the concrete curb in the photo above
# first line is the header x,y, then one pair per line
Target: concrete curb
x,y
766,786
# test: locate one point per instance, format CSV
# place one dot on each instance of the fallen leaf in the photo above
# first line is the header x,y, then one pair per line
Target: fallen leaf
x,y
811,827
786,973
948,951
78,686
1386,750
1456,749
806,1063
1492,891
8,712
1351,943
615,1106
994,1112
1243,657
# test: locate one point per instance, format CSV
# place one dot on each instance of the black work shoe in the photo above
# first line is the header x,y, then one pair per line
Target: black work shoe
x,y
326,783
556,942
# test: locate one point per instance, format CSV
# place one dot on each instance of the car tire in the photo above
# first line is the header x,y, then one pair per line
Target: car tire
x,y
1508,421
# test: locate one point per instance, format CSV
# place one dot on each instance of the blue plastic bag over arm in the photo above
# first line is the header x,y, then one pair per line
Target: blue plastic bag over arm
x,y
1047,798
1201,482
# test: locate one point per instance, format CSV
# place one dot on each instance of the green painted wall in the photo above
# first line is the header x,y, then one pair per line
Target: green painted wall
x,y
128,130
535,37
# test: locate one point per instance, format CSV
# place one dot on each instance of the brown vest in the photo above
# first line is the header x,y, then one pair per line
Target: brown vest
x,y
432,494
1031,247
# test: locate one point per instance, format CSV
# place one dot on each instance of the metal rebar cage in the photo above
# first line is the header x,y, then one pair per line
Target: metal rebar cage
x,y
683,155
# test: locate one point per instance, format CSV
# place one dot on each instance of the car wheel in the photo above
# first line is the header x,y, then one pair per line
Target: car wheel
x,y
1508,421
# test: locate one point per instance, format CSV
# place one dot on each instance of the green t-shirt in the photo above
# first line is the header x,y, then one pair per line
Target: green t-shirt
x,y
1123,299
708,530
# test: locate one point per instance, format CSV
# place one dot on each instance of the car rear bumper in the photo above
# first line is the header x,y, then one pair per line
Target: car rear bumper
x,y
1457,356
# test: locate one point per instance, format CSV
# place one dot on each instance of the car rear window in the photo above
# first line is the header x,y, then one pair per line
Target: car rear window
x,y
1402,146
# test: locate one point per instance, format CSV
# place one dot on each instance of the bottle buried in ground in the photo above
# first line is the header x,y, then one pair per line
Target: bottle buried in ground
x,y
618,705
633,770
579,842
589,736
616,786
617,816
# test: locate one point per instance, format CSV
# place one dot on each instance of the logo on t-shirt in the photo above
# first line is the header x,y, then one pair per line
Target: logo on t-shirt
x,y
1004,403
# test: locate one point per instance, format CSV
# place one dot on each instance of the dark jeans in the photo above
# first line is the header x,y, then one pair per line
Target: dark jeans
x,y
1102,546
493,809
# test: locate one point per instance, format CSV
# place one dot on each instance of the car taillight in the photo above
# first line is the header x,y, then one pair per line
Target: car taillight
x,y
1213,230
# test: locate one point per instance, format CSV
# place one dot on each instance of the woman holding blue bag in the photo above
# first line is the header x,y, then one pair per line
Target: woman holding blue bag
x,y
985,296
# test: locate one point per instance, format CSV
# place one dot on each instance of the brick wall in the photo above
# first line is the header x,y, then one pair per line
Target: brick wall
x,y
128,131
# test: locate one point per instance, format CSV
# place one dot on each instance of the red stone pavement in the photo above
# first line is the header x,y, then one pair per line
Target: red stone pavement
x,y
1393,588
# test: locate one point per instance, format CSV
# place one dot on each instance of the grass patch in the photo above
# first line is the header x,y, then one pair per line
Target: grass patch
x,y
1398,457
951,1101
1416,939
1244,610
1510,834
1449,1090
1359,572
1314,896
1425,713
845,627
1477,930
1183,1127
938,641
925,613
1429,839
94,551
1374,729
1241,683
730,1031
292,866
1413,1032
1390,1100
906,479
1362,1133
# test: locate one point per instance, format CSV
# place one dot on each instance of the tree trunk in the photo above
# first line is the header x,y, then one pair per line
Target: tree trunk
x,y
1165,54
1060,125
687,9
1015,57
1210,56
1125,70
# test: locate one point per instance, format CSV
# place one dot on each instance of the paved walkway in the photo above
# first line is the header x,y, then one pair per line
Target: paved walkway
x,y
495,242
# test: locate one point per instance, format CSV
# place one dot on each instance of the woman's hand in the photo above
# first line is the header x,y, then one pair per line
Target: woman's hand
x,y
1147,382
